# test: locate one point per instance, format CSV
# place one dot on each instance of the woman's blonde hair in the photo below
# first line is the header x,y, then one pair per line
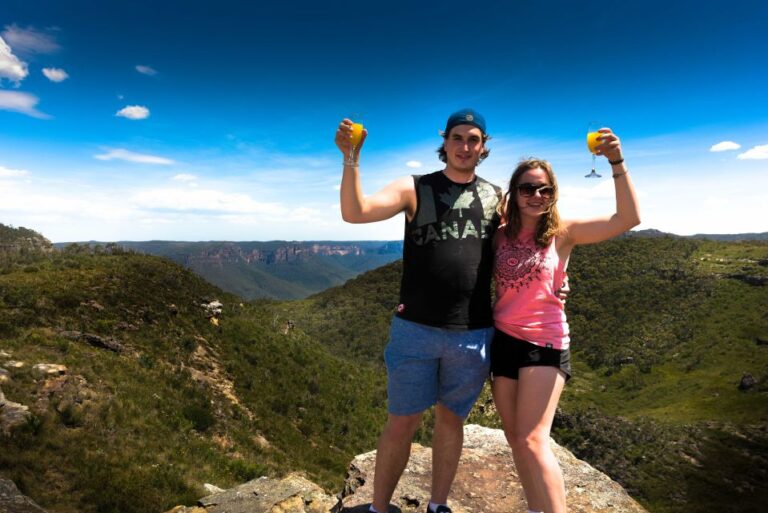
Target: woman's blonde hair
x,y
549,224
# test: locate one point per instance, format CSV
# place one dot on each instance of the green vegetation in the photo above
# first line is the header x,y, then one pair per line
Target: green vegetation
x,y
184,403
663,330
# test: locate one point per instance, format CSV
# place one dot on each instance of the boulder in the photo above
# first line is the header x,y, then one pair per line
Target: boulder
x,y
5,376
486,481
45,370
747,381
11,414
12,500
292,494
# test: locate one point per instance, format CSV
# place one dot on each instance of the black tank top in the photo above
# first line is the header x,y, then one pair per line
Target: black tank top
x,y
447,253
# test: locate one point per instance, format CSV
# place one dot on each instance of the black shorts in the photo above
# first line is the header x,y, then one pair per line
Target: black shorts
x,y
510,354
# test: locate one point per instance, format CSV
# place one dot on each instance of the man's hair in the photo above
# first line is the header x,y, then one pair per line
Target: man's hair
x,y
549,224
444,156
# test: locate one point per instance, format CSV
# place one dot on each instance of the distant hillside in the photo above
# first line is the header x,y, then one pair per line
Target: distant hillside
x,y
730,237
156,399
275,269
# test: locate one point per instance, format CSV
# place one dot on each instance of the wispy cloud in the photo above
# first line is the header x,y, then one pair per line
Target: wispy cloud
x,y
129,156
133,112
146,70
203,200
12,173
415,164
725,146
11,67
29,40
55,74
24,103
185,177
756,153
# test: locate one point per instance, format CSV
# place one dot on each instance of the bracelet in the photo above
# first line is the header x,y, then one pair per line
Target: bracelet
x,y
351,163
616,162
616,175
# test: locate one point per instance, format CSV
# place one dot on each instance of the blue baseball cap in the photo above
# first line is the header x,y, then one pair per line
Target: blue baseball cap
x,y
465,117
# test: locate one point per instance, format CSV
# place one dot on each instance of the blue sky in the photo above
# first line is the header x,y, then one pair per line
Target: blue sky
x,y
215,120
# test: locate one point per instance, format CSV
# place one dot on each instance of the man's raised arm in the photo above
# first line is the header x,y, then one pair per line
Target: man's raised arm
x,y
398,196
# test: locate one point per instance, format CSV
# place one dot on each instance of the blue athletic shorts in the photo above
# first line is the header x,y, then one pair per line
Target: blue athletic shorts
x,y
426,365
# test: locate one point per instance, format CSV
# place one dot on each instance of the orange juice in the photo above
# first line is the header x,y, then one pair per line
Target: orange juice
x,y
593,141
357,134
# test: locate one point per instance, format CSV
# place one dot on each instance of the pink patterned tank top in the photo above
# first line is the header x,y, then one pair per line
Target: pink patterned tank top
x,y
527,279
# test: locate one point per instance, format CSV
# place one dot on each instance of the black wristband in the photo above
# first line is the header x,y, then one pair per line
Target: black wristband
x,y
616,162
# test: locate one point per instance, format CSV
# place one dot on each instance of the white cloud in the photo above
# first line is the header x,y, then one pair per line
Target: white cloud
x,y
756,153
725,146
21,102
11,68
12,173
415,164
29,40
185,177
204,200
133,112
55,74
146,70
129,156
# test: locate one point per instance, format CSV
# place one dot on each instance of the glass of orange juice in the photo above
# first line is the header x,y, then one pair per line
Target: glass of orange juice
x,y
593,141
356,137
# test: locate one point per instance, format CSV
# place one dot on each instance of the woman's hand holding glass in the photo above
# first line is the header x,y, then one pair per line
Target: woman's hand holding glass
x,y
609,145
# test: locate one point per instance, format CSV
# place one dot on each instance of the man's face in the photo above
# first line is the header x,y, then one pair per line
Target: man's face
x,y
463,147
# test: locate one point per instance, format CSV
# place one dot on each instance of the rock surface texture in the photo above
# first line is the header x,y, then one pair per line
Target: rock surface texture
x,y
292,494
12,501
486,481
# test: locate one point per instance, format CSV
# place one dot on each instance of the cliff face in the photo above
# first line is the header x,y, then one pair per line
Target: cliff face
x,y
231,252
486,482
274,269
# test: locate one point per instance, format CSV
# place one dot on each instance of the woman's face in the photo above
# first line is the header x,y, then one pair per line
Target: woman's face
x,y
534,193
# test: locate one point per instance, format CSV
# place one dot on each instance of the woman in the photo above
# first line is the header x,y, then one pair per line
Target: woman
x,y
530,356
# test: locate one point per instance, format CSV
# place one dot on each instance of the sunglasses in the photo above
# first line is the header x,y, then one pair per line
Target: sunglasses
x,y
528,189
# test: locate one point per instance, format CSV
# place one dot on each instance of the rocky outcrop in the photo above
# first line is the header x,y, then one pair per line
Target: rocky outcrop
x,y
486,482
12,500
20,241
749,279
292,494
11,414
110,343
46,370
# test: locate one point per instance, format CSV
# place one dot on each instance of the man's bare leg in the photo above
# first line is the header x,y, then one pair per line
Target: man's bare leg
x,y
447,440
392,454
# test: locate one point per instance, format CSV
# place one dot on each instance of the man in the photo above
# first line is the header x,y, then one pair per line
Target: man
x,y
438,352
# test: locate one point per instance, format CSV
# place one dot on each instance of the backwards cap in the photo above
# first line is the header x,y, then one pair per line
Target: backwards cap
x,y
465,117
